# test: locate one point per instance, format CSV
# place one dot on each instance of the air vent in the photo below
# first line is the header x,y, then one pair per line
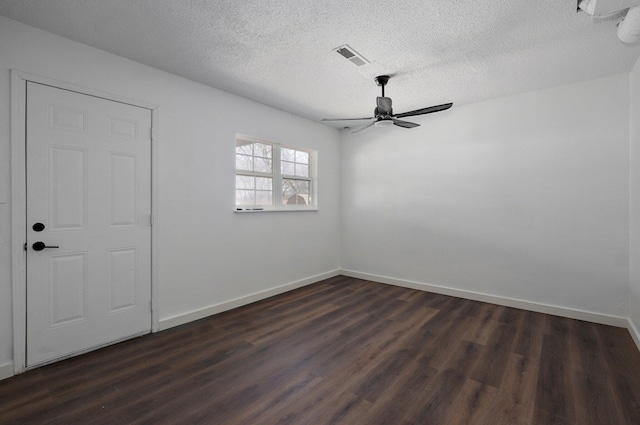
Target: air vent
x,y
354,57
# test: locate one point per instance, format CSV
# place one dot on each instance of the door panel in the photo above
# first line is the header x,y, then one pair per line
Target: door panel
x,y
89,183
67,288
68,188
122,190
122,281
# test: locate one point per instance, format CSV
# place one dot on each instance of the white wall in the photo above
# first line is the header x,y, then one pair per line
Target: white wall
x,y
203,246
634,205
524,198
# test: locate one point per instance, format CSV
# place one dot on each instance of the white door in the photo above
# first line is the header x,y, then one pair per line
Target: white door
x,y
89,202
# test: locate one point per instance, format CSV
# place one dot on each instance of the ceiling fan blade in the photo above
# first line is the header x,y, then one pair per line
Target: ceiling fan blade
x,y
423,111
405,124
384,105
358,130
347,119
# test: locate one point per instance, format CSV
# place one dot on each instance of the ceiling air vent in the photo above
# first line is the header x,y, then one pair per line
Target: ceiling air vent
x,y
348,53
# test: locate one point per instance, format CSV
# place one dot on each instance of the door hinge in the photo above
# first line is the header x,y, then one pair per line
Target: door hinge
x,y
25,246
150,220
151,133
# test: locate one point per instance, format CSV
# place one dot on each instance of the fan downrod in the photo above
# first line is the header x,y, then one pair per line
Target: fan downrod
x,y
382,81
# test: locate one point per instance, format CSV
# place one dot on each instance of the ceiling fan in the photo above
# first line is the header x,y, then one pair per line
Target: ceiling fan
x,y
383,115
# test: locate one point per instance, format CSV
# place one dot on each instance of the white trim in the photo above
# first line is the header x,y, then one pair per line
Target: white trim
x,y
635,335
6,370
26,76
157,218
571,313
181,319
18,198
18,219
271,209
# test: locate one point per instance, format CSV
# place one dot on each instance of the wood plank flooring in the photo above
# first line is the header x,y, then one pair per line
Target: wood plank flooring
x,y
346,351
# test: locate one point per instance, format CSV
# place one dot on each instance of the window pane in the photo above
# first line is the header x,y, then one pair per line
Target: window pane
x,y
264,183
302,157
244,162
252,156
295,192
297,199
295,186
262,150
287,155
288,168
244,148
302,186
245,197
262,165
264,197
245,182
302,170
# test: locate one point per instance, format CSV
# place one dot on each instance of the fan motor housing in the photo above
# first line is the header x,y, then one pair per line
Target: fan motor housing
x,y
382,80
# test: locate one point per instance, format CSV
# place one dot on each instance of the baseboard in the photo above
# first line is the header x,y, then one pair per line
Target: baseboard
x,y
588,316
180,319
634,333
6,370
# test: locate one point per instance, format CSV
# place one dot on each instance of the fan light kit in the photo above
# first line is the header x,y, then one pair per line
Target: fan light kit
x,y
628,28
383,123
605,8
383,115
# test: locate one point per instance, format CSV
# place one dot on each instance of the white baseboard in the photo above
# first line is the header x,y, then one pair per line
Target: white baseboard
x,y
180,319
588,316
634,333
6,370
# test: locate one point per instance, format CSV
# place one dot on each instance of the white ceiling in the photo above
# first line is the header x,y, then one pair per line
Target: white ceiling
x,y
280,52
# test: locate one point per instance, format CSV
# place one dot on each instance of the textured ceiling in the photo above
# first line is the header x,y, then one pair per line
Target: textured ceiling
x,y
280,52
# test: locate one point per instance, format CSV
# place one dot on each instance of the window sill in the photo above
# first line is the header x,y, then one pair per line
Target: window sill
x,y
264,210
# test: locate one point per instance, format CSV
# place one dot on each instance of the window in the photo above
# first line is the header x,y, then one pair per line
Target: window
x,y
272,177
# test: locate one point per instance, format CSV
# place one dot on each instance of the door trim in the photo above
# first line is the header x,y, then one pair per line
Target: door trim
x,y
19,81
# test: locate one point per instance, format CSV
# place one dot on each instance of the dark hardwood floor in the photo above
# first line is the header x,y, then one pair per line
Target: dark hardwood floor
x,y
346,351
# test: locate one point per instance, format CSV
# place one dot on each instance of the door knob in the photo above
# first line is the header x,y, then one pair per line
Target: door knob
x,y
39,246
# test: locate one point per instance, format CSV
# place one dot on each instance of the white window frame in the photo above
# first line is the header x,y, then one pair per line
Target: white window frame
x,y
277,177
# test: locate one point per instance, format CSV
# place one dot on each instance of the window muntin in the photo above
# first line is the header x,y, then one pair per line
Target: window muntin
x,y
273,177
294,162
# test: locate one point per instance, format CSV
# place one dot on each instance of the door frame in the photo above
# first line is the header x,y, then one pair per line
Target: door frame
x,y
19,81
